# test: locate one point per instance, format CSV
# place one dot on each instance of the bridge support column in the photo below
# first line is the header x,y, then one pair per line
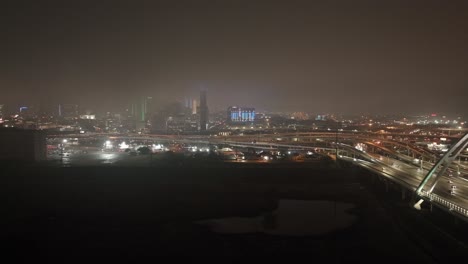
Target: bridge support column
x,y
386,186
418,204
403,194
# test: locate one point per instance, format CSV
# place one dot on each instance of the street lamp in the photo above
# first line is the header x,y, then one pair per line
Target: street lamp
x,y
62,149
336,141
458,165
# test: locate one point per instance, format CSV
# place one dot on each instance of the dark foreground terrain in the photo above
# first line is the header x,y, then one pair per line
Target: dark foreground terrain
x,y
124,214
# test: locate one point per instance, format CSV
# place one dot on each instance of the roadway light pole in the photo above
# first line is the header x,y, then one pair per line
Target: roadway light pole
x,y
336,142
458,165
61,153
62,150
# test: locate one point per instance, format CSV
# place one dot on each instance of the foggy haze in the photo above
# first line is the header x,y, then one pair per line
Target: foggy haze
x,y
344,56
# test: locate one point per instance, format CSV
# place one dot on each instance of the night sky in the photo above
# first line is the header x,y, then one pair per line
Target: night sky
x,y
342,56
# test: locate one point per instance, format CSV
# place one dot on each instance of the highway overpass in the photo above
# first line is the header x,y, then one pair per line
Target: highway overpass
x,y
432,181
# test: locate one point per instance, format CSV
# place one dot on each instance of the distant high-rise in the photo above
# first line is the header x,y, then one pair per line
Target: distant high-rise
x,y
188,103
203,111
240,114
149,107
141,108
140,111
2,110
194,107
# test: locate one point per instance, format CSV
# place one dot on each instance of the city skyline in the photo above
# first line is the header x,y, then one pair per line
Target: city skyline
x,y
300,56
336,130
54,108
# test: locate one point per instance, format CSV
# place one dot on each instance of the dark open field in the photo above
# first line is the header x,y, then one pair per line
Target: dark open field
x,y
73,214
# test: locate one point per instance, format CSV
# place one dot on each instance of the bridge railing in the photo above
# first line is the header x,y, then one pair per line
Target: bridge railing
x,y
452,207
434,198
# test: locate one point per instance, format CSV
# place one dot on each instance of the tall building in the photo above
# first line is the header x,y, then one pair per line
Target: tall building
x,y
140,111
141,108
189,103
203,111
149,107
240,114
2,110
194,106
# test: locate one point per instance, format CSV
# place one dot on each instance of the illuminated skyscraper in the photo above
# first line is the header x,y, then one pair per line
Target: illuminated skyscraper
x,y
141,108
140,111
194,106
203,111
237,114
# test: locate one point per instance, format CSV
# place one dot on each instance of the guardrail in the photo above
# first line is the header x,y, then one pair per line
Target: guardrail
x,y
433,198
452,207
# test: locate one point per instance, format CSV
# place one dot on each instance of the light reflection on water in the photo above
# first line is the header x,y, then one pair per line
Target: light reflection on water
x,y
292,218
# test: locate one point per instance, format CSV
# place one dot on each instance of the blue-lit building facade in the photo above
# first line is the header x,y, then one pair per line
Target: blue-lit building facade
x,y
240,114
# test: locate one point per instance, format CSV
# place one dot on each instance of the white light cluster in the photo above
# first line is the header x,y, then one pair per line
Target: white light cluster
x,y
158,147
124,145
108,144
361,147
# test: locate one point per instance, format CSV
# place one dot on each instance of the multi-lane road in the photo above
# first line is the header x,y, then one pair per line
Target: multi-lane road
x,y
451,187
451,190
